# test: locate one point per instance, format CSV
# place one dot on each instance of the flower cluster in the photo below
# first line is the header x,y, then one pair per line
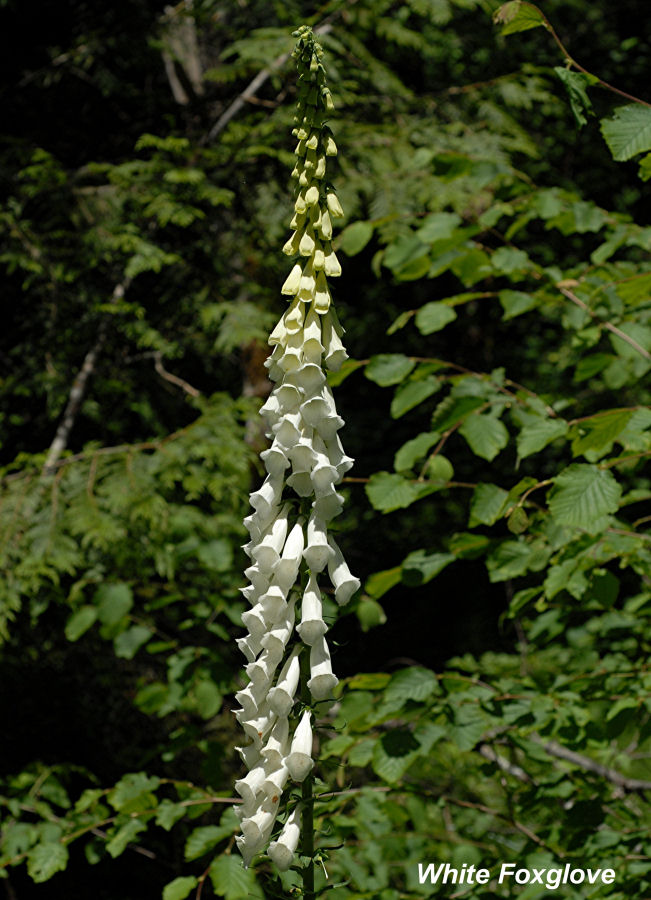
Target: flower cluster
x,y
290,546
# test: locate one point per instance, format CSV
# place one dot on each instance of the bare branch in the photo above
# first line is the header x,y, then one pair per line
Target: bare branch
x,y
609,325
78,390
591,765
174,379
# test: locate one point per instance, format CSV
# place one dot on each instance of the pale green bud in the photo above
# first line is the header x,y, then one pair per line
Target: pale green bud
x,y
322,296
294,316
319,171
334,205
312,195
319,259
330,146
298,168
300,149
327,99
298,220
300,205
292,245
307,283
332,265
313,141
326,225
293,281
304,178
301,133
310,160
307,243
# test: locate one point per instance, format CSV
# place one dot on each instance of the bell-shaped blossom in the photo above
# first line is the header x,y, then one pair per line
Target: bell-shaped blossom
x,y
281,697
299,762
343,582
276,746
312,626
266,551
322,681
290,559
282,850
317,551
276,639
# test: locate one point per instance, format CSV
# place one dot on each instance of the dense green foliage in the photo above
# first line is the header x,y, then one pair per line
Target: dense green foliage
x,y
496,299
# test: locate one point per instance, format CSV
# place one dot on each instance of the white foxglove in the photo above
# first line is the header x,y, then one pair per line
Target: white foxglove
x,y
289,547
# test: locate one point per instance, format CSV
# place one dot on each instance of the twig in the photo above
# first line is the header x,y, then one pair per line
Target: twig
x,y
77,392
591,765
612,328
503,763
174,379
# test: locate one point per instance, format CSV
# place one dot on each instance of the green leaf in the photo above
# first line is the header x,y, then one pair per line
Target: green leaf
x,y
232,881
355,237
433,317
394,753
414,450
644,172
575,84
438,226
509,260
204,839
369,613
79,622
388,368
598,432
420,567
347,368
453,410
207,698
387,491
470,722
538,434
414,683
628,132
133,792
518,16
44,860
128,642
514,303
486,435
438,468
114,601
124,836
487,504
380,582
412,393
216,555
584,496
169,813
518,521
406,249
179,888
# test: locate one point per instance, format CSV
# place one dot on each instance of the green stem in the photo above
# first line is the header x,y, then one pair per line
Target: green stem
x,y
307,796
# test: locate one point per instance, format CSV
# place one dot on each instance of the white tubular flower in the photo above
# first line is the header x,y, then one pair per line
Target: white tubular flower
x,y
275,749
267,497
289,563
281,697
249,647
299,762
276,640
343,582
275,782
282,850
322,682
312,626
335,352
266,551
264,668
250,787
291,510
318,551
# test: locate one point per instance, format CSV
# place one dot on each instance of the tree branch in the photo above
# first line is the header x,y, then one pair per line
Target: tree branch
x,y
78,390
591,765
612,328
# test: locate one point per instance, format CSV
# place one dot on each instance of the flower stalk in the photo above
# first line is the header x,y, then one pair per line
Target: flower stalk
x,y
292,555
